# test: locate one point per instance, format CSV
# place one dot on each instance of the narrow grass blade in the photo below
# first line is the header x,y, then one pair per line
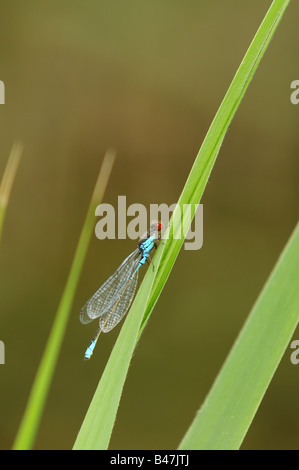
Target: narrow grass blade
x,y
8,179
227,412
39,391
208,152
97,426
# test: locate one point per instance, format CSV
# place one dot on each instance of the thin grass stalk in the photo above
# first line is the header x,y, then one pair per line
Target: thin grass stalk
x,y
97,426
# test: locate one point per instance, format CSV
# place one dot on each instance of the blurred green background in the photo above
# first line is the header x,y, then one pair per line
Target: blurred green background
x,y
145,78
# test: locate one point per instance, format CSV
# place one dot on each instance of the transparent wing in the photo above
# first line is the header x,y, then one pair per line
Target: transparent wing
x,y
121,305
106,296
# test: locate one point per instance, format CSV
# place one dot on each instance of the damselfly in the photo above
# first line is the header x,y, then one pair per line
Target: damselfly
x,y
112,300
